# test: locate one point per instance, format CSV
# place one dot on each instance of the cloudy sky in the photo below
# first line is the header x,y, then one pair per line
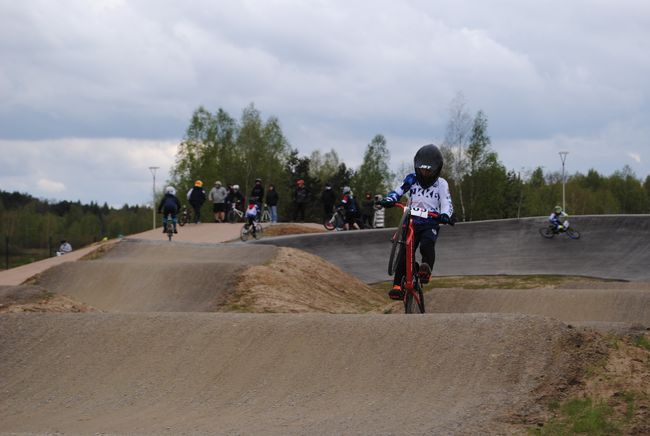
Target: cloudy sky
x,y
92,93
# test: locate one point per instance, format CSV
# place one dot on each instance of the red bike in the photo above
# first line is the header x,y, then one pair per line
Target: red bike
x,y
403,241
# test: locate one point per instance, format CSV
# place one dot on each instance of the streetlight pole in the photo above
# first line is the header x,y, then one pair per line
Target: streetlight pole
x,y
153,204
563,158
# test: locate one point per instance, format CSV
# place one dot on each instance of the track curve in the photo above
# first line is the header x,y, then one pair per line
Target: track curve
x,y
611,246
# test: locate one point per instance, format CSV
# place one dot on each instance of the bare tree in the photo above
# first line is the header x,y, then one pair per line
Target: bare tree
x,y
457,138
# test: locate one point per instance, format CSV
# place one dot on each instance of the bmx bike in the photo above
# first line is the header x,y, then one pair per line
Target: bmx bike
x,y
336,221
550,231
234,214
184,217
403,243
246,231
169,227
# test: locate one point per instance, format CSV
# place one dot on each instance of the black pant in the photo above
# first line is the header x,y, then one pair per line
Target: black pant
x,y
425,237
197,211
299,212
328,211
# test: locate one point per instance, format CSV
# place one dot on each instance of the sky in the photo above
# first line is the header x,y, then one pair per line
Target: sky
x,y
93,93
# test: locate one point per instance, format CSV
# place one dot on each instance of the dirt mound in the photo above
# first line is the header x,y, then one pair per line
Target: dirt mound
x,y
296,281
277,373
291,229
145,276
28,298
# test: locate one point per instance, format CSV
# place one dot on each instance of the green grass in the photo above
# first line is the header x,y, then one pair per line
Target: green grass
x,y
582,416
642,341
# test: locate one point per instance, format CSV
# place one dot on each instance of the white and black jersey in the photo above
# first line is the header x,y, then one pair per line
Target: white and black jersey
x,y
436,198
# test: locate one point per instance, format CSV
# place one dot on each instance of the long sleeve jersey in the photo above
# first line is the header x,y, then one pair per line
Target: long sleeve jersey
x,y
436,198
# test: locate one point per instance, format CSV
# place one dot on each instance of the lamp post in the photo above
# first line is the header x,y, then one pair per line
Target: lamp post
x,y
153,204
563,158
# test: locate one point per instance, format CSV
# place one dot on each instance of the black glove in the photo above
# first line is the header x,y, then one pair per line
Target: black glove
x,y
444,219
387,202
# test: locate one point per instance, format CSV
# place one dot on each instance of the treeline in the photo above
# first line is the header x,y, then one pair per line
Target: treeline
x,y
217,147
32,228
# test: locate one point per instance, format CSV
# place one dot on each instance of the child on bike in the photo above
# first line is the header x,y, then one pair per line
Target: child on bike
x,y
558,219
169,205
428,191
251,217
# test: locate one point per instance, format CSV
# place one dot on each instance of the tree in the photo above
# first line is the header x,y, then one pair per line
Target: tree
x,y
457,138
373,174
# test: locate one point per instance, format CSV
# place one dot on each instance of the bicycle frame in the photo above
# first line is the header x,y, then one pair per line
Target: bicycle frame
x,y
409,282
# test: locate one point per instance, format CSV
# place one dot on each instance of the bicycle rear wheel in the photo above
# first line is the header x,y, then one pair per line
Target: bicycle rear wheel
x,y
259,231
232,217
414,300
573,233
330,224
546,232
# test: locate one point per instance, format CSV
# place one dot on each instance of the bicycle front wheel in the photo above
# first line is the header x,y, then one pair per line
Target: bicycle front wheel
x,y
414,300
244,233
396,250
232,217
573,233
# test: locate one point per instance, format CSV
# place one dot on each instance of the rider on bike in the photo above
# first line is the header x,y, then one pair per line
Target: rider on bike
x,y
169,204
235,197
428,191
251,217
558,219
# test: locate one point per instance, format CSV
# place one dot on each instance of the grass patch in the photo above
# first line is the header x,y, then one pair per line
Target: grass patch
x,y
497,282
581,416
641,341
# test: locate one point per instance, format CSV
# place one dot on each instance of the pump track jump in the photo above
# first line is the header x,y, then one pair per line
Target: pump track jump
x,y
161,351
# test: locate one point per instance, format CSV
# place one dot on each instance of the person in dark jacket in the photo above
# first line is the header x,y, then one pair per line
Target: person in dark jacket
x,y
367,211
257,194
196,197
328,197
272,202
169,205
300,200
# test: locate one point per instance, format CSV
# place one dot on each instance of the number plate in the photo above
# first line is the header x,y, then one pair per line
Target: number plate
x,y
422,213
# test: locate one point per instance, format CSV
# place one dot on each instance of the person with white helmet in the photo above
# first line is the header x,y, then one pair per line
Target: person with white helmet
x,y
429,192
169,205
236,198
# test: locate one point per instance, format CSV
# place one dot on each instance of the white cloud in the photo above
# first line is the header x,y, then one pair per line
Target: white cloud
x,y
50,186
635,156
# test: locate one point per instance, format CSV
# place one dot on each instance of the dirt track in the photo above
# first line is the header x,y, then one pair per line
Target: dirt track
x,y
153,364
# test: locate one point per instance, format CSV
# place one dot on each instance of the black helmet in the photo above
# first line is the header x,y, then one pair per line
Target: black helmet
x,y
428,164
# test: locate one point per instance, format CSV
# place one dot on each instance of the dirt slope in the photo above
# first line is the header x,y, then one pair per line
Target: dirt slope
x,y
146,276
275,374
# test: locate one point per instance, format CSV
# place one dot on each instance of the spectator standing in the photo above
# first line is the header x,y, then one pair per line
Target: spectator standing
x,y
328,197
257,194
196,197
272,202
380,213
235,197
218,196
300,200
367,211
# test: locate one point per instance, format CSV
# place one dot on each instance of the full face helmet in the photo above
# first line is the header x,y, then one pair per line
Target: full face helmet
x,y
346,189
170,190
258,181
557,209
428,164
235,187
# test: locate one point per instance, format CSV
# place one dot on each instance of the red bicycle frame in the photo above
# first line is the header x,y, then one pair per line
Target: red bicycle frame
x,y
409,282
